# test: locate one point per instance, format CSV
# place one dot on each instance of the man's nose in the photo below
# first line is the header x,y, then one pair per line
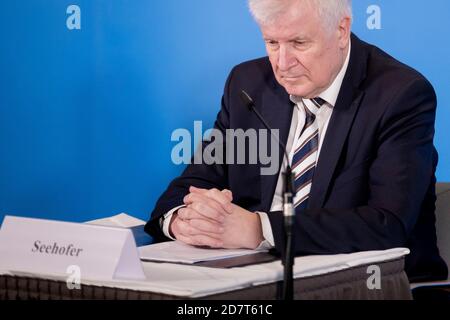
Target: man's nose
x,y
286,60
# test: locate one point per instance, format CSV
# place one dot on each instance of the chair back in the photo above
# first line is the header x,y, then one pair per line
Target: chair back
x,y
443,220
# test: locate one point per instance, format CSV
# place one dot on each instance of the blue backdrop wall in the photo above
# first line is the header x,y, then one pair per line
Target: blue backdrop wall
x,y
86,115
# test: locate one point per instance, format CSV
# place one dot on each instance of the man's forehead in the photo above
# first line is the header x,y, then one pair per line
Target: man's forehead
x,y
291,26
286,33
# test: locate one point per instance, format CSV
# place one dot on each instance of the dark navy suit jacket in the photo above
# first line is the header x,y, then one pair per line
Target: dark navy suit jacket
x,y
374,186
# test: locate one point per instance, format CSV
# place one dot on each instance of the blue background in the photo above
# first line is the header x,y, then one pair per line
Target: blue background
x,y
86,115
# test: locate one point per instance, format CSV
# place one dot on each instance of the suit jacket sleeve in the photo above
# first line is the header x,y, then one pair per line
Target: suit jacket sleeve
x,y
398,180
198,175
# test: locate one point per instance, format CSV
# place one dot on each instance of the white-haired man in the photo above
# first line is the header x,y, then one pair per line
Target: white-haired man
x,y
359,128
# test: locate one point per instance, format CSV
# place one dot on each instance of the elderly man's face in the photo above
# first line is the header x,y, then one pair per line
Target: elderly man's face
x,y
305,56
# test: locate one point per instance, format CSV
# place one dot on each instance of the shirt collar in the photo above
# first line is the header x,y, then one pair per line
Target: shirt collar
x,y
331,94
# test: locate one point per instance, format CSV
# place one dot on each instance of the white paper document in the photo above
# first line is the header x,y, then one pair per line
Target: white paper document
x,y
121,220
178,252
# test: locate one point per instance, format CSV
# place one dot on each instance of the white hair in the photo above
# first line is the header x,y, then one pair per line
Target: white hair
x,y
330,11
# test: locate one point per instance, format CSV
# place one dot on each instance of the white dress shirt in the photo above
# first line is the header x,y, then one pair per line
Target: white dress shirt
x,y
323,117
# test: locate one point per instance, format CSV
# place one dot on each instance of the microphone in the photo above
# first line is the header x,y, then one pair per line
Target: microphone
x,y
288,204
248,102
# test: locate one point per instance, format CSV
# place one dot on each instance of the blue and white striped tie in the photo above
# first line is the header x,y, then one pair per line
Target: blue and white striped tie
x,y
305,155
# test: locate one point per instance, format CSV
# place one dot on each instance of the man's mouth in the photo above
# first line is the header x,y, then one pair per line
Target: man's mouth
x,y
290,79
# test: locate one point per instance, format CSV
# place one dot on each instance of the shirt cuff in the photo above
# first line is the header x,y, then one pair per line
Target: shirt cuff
x,y
268,242
165,220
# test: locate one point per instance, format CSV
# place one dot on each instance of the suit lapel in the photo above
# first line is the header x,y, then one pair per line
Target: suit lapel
x,y
337,133
341,121
277,109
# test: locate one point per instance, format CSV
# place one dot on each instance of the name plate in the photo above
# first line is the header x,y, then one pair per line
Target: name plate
x,y
58,248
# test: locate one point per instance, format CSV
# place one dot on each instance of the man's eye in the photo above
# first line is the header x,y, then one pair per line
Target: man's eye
x,y
299,43
272,44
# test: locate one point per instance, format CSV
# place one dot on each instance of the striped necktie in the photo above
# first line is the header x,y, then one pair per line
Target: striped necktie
x,y
305,155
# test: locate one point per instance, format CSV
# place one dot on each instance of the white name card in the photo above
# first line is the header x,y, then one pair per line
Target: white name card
x,y
52,248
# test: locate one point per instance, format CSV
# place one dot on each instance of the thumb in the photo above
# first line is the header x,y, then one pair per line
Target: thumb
x,y
193,189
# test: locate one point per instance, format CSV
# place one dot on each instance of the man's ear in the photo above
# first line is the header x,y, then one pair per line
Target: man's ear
x,y
344,30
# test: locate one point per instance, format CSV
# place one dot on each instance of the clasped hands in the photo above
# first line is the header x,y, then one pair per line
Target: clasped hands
x,y
210,219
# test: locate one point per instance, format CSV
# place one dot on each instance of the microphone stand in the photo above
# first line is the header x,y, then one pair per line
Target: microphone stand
x,y
288,207
288,213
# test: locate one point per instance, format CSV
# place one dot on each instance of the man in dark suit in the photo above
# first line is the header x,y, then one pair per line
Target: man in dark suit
x,y
358,126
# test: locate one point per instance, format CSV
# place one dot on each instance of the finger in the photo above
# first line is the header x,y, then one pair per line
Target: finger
x,y
216,195
190,235
221,198
228,194
188,213
202,241
196,211
206,201
211,211
175,228
186,240
204,191
186,230
193,189
207,213
206,226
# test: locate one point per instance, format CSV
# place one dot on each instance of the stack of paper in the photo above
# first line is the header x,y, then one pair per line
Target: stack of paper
x,y
178,252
